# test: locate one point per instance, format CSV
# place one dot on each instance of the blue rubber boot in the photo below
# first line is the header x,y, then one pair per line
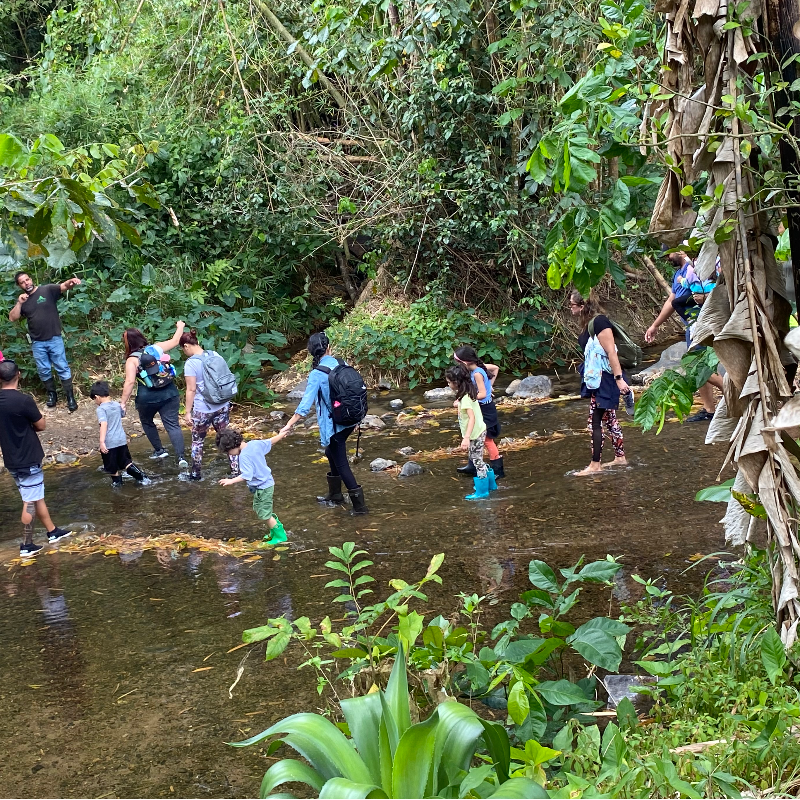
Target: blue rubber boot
x,y
492,479
481,489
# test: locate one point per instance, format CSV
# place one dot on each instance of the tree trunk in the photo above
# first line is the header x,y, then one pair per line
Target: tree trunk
x,y
341,260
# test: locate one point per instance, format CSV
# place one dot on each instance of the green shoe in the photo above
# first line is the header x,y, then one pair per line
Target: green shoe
x,y
481,489
277,535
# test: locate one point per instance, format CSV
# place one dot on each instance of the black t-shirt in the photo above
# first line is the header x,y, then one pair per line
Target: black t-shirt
x,y
42,313
601,323
18,440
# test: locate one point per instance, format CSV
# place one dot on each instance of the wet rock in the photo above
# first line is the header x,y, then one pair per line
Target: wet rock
x,y
387,416
66,458
396,403
373,396
380,464
444,393
535,387
619,686
410,468
407,451
276,415
670,358
384,386
298,391
310,421
512,387
373,423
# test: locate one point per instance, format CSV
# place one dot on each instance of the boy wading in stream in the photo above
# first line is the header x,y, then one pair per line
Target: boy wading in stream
x,y
113,441
253,469
20,420
473,429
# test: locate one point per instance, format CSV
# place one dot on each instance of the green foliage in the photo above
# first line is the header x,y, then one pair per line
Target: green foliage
x,y
674,390
388,756
417,342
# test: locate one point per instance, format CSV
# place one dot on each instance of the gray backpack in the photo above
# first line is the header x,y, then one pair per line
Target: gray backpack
x,y
219,383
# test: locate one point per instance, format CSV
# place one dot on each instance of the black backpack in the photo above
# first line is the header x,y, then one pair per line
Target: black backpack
x,y
348,393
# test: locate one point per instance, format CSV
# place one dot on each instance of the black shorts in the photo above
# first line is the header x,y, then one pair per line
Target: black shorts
x,y
489,412
116,459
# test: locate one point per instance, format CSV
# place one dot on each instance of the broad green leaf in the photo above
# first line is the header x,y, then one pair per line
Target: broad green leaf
x,y
277,645
410,627
562,693
40,225
396,694
600,571
456,738
716,494
259,634
475,777
518,651
13,154
495,737
518,705
436,562
773,654
542,576
413,759
363,716
290,770
520,788
612,627
675,781
598,648
343,789
659,668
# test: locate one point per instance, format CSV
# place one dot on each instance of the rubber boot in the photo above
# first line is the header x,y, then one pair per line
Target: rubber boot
x,y
468,470
497,466
52,395
357,499
72,403
334,496
492,479
481,489
116,480
276,535
136,473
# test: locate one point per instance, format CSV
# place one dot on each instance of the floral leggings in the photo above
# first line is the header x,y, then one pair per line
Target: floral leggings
x,y
476,454
201,422
596,418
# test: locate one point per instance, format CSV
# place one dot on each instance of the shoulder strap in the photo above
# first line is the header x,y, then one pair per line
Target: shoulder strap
x,y
590,326
326,370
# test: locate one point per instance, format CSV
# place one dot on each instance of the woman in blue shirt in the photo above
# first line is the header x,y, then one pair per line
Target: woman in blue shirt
x,y
333,437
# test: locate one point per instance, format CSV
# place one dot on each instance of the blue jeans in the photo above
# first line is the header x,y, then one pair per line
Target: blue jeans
x,y
49,356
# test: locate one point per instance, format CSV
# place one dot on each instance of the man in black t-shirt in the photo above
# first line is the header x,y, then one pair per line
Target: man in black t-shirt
x,y
20,420
38,305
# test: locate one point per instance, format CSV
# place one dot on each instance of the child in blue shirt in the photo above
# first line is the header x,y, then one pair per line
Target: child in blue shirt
x,y
254,470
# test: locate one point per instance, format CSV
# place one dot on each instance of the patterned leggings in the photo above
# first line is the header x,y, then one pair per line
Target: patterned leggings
x,y
201,422
596,418
476,454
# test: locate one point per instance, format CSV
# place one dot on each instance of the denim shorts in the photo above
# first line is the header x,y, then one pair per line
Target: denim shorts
x,y
30,482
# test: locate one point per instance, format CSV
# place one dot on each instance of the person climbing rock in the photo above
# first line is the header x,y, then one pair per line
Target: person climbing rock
x,y
113,440
253,470
202,412
483,376
157,392
20,421
38,305
473,429
332,436
686,299
603,399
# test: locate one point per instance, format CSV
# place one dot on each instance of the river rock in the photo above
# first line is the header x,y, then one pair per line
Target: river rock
x,y
512,387
380,464
396,403
444,393
388,416
620,686
384,386
373,423
535,387
298,391
277,415
407,451
670,358
66,458
410,468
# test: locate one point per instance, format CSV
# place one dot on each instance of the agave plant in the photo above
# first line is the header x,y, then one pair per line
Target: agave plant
x,y
387,756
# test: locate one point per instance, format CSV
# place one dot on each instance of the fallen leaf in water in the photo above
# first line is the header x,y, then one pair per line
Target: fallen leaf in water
x,y
96,592
252,559
281,549
209,656
109,552
696,556
276,558
35,685
202,669
157,599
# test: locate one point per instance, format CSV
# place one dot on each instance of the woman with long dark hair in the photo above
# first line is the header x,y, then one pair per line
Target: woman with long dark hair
x,y
332,436
604,400
164,401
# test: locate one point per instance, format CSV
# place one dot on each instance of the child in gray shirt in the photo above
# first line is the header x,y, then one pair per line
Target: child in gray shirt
x,y
113,441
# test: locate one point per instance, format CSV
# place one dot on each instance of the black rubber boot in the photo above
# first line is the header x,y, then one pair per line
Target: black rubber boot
x,y
135,472
497,465
72,403
357,499
468,470
116,480
52,395
334,496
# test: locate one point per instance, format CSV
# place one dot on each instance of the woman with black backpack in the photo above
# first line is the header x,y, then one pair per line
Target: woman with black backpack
x,y
333,435
156,393
201,412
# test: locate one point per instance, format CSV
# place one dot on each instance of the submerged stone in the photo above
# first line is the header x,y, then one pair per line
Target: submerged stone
x,y
534,387
373,422
66,458
443,393
411,468
298,391
380,464
396,403
513,386
406,451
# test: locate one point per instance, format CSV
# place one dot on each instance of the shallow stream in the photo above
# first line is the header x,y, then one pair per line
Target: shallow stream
x,y
100,689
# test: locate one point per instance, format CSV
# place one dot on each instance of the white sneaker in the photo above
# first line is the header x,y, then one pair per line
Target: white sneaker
x,y
183,463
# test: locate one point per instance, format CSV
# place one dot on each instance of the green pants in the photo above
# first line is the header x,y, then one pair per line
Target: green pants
x,y
262,502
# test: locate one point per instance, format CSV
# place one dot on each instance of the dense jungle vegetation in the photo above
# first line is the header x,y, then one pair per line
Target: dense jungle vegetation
x,y
266,162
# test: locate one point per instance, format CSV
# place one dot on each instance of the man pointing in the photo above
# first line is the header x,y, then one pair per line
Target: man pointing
x,y
38,305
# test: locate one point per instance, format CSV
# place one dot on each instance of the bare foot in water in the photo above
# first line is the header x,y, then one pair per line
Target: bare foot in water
x,y
617,462
593,469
